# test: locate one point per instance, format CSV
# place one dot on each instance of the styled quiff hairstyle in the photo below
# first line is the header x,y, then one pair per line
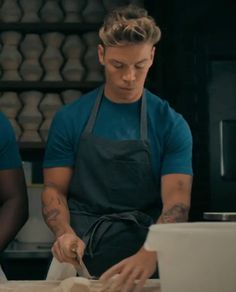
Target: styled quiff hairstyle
x,y
129,24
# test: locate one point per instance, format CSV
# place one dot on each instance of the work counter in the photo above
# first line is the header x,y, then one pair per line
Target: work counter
x,y
21,261
152,285
17,249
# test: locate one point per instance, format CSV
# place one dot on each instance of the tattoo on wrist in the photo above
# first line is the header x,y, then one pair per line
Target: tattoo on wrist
x,y
62,201
176,214
51,215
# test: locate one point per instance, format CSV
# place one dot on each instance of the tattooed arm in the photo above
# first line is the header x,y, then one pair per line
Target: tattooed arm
x,y
176,194
56,214
54,199
176,189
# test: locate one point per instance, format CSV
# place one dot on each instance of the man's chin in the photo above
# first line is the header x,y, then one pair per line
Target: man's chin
x,y
129,95
127,89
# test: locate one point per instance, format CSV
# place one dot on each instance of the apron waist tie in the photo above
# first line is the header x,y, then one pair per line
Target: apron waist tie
x,y
104,222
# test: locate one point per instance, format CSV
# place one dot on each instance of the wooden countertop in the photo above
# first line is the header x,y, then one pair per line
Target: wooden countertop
x,y
152,285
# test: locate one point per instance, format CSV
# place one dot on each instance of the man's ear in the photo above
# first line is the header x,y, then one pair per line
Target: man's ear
x,y
152,56
153,53
101,52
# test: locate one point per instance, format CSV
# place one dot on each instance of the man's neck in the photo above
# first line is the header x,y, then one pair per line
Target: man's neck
x,y
119,98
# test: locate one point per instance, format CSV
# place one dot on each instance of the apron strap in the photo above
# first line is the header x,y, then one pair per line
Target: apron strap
x,y
103,223
92,118
143,117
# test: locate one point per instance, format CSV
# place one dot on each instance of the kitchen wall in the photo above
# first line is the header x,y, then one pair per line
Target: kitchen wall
x,y
222,93
198,65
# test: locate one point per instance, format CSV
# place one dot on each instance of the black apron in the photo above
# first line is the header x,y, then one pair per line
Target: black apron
x,y
113,196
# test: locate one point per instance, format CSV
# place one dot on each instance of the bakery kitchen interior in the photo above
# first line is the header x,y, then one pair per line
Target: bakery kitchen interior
x,y
48,58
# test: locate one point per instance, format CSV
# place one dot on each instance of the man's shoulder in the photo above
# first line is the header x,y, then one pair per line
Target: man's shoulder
x,y
3,119
158,104
5,126
161,112
7,134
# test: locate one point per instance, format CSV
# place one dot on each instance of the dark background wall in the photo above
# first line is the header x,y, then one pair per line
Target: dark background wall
x,y
195,70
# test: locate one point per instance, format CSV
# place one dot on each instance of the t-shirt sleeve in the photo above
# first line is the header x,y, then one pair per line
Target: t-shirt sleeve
x,y
9,152
59,149
178,149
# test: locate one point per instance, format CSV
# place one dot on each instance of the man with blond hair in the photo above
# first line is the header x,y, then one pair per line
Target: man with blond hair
x,y
117,160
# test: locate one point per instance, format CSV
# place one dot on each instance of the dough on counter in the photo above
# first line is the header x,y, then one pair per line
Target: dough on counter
x,y
74,284
31,288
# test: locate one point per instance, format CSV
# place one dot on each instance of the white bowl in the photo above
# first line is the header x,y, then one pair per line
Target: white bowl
x,y
195,257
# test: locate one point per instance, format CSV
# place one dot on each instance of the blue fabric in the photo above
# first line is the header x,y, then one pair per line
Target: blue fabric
x,y
168,132
9,152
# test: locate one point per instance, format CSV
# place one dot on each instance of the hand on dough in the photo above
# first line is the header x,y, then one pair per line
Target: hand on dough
x,y
131,273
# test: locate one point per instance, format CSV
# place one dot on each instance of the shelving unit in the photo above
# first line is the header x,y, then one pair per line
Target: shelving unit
x,y
47,86
34,150
34,27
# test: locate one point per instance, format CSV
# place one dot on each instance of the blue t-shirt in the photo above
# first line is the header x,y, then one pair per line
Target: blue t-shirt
x,y
168,132
9,152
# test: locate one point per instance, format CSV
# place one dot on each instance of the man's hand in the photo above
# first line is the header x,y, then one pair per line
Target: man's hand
x,y
67,248
123,275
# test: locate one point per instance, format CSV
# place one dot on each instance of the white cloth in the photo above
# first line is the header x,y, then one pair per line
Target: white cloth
x,y
3,277
60,271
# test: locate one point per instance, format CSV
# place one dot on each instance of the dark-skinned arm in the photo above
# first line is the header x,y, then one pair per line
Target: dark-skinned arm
x,y
13,204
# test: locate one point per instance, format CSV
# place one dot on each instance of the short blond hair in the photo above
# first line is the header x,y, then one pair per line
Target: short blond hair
x,y
129,24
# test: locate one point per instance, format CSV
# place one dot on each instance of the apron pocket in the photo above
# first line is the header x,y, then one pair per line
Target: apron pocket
x,y
130,184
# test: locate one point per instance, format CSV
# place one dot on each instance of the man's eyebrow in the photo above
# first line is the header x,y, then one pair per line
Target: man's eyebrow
x,y
117,61
142,61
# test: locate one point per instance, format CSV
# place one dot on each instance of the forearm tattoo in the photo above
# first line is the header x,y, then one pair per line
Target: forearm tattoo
x,y
176,214
55,208
50,211
51,215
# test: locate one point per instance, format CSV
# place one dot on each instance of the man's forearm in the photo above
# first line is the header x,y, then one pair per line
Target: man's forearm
x,y
55,210
175,214
13,215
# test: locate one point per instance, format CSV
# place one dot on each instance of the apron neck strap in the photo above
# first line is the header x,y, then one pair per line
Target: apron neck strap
x,y
143,117
93,115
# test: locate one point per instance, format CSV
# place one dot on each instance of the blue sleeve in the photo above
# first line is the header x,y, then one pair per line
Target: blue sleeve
x,y
9,152
178,150
59,149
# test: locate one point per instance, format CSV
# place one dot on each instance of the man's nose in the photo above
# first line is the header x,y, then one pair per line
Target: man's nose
x,y
129,75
